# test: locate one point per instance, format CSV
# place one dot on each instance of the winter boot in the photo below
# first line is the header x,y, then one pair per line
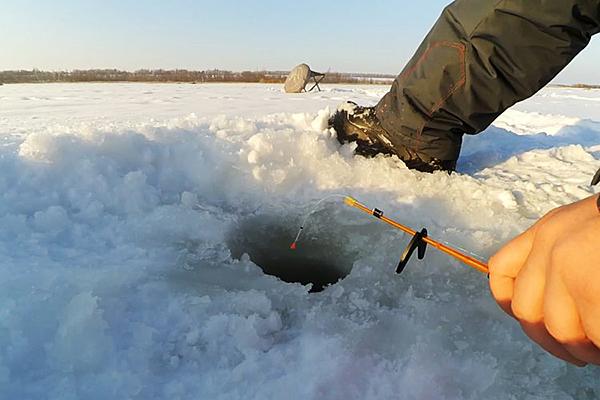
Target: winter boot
x,y
353,123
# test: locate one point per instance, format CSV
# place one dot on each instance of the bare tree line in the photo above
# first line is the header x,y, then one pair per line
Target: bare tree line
x,y
177,75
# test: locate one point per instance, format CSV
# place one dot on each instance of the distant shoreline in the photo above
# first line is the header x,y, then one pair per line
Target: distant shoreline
x,y
577,86
379,83
200,77
179,76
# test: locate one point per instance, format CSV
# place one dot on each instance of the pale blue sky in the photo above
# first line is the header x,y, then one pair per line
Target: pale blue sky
x,y
351,36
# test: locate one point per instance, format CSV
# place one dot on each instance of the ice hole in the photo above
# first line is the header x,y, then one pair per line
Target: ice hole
x,y
320,259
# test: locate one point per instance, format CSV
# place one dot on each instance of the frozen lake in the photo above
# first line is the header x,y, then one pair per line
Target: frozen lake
x,y
133,217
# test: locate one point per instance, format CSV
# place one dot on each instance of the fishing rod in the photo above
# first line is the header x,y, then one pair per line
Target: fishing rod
x,y
419,240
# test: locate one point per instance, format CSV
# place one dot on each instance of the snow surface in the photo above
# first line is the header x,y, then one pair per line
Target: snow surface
x,y
129,214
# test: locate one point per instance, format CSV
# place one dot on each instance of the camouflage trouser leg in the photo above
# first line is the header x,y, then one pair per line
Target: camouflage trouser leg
x,y
481,57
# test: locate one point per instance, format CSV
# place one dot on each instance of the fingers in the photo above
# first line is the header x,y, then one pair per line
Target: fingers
x,y
529,286
528,304
585,351
505,265
547,278
528,307
591,321
509,259
537,332
502,290
572,304
522,290
563,322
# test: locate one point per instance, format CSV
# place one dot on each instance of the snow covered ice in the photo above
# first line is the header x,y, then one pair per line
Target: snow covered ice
x,y
130,216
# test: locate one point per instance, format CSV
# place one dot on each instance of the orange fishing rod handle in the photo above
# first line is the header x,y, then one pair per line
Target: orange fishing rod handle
x,y
470,261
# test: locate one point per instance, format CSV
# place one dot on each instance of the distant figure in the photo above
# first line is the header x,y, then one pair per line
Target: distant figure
x,y
299,77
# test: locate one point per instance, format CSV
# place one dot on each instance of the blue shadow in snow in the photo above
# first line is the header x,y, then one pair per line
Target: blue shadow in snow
x,y
496,145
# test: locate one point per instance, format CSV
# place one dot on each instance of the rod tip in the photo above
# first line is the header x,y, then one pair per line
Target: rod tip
x,y
293,246
349,201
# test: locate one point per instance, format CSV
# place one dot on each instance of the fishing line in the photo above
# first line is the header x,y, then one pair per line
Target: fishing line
x,y
307,216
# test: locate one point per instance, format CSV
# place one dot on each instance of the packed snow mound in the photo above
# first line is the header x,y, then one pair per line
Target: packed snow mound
x,y
131,244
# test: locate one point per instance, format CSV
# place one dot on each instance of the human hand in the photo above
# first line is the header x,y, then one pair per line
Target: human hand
x,y
548,278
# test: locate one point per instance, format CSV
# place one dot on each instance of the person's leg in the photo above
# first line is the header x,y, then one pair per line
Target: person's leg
x,y
481,57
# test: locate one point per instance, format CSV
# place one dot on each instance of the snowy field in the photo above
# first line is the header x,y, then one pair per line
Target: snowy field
x,y
133,217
